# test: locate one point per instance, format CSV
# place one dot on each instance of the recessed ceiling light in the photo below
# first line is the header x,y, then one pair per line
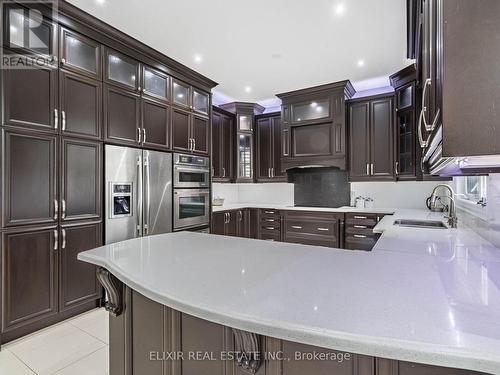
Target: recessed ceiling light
x,y
248,89
361,63
339,9
100,2
198,58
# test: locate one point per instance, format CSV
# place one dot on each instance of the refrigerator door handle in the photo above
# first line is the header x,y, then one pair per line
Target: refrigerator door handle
x,y
147,193
139,197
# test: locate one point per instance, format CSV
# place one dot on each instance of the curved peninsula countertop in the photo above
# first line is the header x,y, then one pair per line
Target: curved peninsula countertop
x,y
406,305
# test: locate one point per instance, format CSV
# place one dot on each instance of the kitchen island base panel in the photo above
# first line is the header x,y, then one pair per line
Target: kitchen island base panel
x,y
151,338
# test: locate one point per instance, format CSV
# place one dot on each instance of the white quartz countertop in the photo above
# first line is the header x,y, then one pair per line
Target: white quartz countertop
x,y
419,296
237,206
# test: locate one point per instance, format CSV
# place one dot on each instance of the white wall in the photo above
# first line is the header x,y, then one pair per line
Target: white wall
x,y
277,193
395,194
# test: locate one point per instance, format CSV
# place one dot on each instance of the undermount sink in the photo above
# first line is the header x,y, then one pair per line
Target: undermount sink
x,y
420,224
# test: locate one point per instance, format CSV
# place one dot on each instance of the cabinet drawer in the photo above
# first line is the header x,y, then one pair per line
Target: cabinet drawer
x,y
270,221
360,242
269,213
369,220
366,230
313,240
317,227
270,236
270,228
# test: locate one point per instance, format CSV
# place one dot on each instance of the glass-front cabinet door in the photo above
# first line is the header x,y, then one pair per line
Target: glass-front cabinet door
x,y
245,161
180,93
29,30
122,70
405,162
405,96
200,101
311,111
245,122
80,54
155,84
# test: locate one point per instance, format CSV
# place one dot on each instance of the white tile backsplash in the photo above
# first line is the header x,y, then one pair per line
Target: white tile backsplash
x,y
395,194
277,193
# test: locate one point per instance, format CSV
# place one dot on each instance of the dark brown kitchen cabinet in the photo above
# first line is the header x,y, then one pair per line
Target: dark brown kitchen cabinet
x,y
29,29
189,97
30,98
155,124
80,100
29,179
268,148
122,110
314,126
314,228
81,182
80,54
77,280
29,277
359,230
122,71
225,223
391,367
223,131
156,84
371,139
190,132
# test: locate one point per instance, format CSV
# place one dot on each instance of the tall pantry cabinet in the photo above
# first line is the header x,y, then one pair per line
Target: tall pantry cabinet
x,y
52,157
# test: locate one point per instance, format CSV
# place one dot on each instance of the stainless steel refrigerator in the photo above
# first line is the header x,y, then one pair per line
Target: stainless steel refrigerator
x,y
138,193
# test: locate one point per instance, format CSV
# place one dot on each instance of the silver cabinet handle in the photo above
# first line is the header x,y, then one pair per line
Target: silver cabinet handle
x,y
396,168
427,83
270,220
63,61
241,215
368,169
139,134
139,89
423,144
63,246
360,226
269,212
228,217
63,205
323,229
372,169
190,144
56,118
296,227
63,119
360,217
56,209
144,135
194,147
272,172
269,172
223,172
269,228
359,236
56,239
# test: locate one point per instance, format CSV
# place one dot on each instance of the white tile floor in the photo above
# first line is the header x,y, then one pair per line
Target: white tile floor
x,y
78,346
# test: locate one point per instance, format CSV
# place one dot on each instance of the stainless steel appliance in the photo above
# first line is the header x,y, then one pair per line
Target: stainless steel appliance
x,y
191,171
191,208
138,193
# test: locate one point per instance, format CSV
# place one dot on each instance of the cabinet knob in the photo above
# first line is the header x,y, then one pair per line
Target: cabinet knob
x,y
63,61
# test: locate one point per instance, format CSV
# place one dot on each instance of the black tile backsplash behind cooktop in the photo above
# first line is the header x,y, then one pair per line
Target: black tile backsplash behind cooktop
x,y
320,187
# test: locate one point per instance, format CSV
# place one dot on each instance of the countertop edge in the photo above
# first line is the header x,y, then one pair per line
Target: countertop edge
x,y
371,346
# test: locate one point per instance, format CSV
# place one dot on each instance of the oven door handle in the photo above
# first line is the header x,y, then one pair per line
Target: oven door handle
x,y
188,169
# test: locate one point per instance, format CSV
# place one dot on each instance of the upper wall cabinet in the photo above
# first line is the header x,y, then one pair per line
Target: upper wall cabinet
x,y
122,70
186,96
314,126
80,54
29,30
156,84
371,139
223,131
268,148
30,98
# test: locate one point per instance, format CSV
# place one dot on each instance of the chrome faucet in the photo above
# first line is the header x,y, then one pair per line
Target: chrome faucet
x,y
452,210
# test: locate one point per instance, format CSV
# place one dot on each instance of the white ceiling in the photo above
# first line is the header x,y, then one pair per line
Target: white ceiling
x,y
270,46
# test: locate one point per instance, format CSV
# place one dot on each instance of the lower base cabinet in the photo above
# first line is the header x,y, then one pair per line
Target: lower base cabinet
x,y
350,231
42,280
145,337
235,223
